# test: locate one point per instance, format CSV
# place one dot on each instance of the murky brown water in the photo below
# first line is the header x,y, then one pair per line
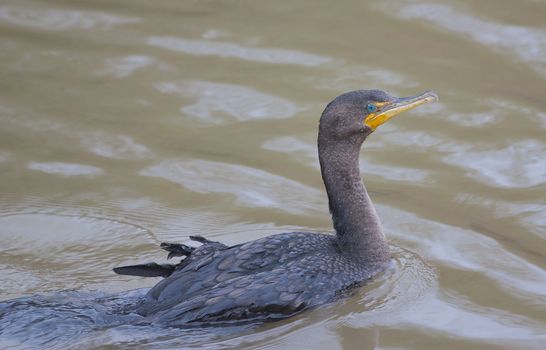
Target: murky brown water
x,y
128,123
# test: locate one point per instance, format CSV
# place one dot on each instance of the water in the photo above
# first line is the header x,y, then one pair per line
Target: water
x,y
130,123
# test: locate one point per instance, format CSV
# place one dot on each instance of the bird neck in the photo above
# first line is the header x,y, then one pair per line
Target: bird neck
x,y
357,225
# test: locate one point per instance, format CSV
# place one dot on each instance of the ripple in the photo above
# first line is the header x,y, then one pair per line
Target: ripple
x,y
214,34
125,66
227,49
352,77
415,139
161,222
251,187
218,103
391,172
32,234
520,164
467,250
45,251
289,144
527,44
531,215
507,108
495,111
113,146
541,118
65,169
101,143
4,156
59,319
472,321
473,119
400,289
57,19
17,281
10,118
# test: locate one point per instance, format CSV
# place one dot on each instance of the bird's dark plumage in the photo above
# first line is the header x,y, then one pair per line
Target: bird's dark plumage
x,y
280,275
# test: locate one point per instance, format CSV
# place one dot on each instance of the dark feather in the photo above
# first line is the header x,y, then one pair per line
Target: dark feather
x,y
177,249
146,270
201,239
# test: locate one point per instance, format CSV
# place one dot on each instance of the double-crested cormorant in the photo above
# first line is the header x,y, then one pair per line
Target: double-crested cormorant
x,y
280,275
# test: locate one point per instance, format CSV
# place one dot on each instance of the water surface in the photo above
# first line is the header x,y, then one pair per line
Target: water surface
x,y
128,123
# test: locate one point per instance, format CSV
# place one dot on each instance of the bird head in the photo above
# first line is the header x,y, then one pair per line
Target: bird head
x,y
354,115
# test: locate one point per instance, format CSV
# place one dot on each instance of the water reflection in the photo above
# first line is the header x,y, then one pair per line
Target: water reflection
x,y
218,103
125,66
519,164
466,249
114,146
473,322
351,77
528,44
252,187
65,169
4,156
59,19
69,244
529,214
101,143
233,50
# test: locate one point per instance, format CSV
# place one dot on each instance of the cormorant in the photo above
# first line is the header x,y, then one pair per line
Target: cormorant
x,y
280,275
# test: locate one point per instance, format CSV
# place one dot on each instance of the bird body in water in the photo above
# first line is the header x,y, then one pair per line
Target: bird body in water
x,y
280,275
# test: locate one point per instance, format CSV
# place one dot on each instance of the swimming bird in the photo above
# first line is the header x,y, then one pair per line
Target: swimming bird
x,y
280,275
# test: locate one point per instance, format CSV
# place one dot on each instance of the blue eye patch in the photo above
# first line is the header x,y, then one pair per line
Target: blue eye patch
x,y
371,107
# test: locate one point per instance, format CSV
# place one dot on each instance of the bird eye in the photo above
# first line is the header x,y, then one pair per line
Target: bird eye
x,y
371,107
